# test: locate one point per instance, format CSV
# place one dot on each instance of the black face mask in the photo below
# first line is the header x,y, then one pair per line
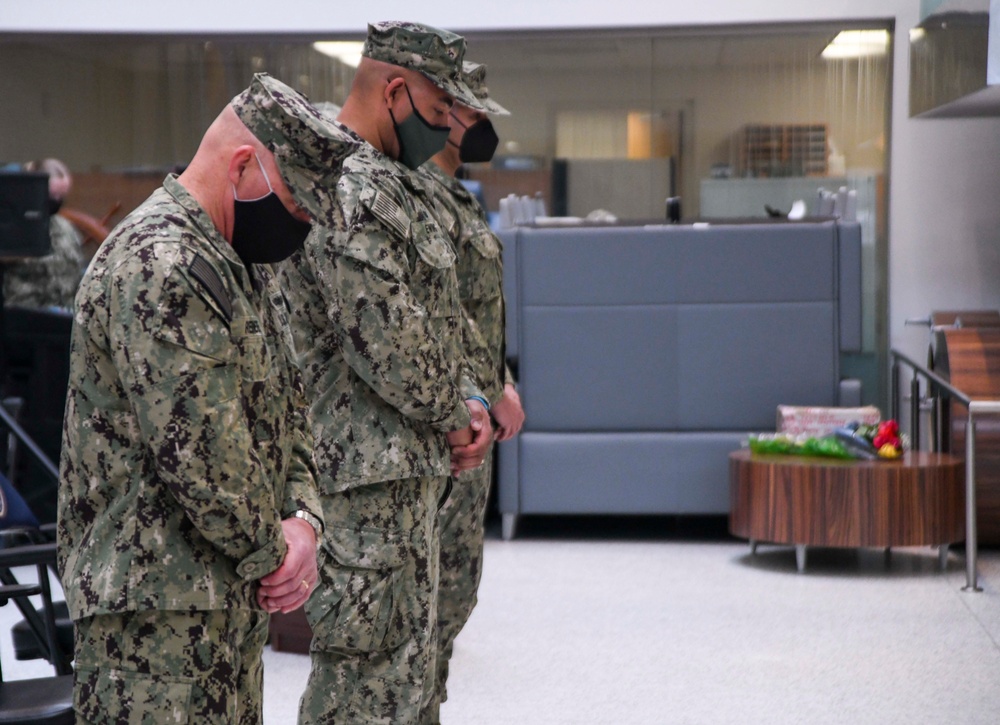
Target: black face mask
x,y
264,231
479,142
418,139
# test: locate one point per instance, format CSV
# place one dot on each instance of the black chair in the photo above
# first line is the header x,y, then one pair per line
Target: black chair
x,y
20,525
42,700
35,370
29,635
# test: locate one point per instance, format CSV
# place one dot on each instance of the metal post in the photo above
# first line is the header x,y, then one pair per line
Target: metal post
x,y
944,389
915,411
971,546
894,391
935,398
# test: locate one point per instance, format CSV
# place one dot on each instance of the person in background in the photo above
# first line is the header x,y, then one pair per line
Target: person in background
x,y
188,507
50,281
379,330
480,279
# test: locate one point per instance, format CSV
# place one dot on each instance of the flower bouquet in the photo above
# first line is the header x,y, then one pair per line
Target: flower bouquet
x,y
874,441
882,441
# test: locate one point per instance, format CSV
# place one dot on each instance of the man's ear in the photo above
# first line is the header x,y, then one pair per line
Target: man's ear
x,y
393,89
238,163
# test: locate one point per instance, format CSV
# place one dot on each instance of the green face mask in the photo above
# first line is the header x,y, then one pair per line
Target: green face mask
x,y
418,139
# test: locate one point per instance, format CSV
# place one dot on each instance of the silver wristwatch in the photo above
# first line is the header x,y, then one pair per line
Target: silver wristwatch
x,y
312,520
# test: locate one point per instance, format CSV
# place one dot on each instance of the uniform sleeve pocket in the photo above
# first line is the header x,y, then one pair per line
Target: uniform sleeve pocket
x,y
355,608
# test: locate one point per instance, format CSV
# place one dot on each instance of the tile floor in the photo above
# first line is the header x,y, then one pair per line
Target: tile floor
x,y
641,622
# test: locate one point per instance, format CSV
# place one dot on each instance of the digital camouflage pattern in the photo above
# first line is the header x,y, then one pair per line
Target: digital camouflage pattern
x,y
373,620
308,146
479,267
474,75
460,569
378,327
185,440
185,443
435,53
158,668
52,280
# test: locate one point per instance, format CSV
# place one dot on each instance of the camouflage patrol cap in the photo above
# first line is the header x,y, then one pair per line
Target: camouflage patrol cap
x,y
308,147
474,75
435,53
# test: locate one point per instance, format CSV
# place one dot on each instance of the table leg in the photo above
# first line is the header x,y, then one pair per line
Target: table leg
x,y
943,556
800,557
753,547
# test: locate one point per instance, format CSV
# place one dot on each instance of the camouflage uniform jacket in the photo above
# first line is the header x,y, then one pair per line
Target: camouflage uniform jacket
x,y
52,280
185,440
377,324
480,275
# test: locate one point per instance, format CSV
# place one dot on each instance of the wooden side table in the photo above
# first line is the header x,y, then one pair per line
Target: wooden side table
x,y
804,501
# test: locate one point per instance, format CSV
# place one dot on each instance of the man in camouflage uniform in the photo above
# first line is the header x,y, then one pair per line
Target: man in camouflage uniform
x,y
52,280
378,325
188,507
480,278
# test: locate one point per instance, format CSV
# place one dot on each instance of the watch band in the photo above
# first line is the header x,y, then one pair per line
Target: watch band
x,y
310,519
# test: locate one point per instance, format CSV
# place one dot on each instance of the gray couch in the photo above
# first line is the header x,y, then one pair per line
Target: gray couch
x,y
646,354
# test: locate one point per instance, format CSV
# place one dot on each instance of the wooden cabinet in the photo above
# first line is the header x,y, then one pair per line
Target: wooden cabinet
x,y
773,150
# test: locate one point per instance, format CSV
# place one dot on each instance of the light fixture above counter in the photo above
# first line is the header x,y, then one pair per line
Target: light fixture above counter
x,y
955,60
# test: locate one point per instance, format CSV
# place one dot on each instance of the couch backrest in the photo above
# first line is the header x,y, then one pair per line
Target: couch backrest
x,y
676,327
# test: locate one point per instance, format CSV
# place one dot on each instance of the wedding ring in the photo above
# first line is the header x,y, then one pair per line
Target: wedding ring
x,y
305,584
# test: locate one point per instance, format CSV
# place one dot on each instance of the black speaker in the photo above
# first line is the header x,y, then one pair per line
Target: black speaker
x,y
24,215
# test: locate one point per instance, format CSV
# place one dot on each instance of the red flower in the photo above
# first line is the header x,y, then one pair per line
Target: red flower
x,y
889,427
887,434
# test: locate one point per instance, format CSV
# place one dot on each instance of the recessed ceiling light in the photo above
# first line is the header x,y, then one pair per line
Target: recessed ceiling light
x,y
857,44
346,51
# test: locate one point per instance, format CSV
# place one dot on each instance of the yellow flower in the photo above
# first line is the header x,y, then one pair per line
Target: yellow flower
x,y
889,451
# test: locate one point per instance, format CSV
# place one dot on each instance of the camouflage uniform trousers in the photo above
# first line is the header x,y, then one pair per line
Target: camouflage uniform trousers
x,y
461,520
374,613
156,667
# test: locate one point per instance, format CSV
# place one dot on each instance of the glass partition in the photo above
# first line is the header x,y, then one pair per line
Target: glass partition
x,y
736,121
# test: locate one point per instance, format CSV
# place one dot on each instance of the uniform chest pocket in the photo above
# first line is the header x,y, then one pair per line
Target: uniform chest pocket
x,y
251,354
435,251
480,270
485,243
435,284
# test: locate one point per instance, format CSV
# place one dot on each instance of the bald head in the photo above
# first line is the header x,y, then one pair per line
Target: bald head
x,y
227,161
382,92
226,134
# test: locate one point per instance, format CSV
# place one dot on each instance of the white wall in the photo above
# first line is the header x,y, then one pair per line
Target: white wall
x,y
323,15
944,232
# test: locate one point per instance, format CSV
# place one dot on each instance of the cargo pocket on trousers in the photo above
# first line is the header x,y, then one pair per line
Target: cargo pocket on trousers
x,y
360,571
111,696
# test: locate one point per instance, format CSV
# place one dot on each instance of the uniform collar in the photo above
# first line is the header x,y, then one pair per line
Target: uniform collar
x,y
209,232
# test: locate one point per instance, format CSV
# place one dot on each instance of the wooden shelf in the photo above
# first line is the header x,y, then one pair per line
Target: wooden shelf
x,y
775,150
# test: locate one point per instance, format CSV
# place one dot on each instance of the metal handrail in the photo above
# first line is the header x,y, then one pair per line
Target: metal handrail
x,y
976,408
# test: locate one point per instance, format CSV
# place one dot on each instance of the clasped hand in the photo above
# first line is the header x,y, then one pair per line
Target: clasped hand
x,y
470,445
288,587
